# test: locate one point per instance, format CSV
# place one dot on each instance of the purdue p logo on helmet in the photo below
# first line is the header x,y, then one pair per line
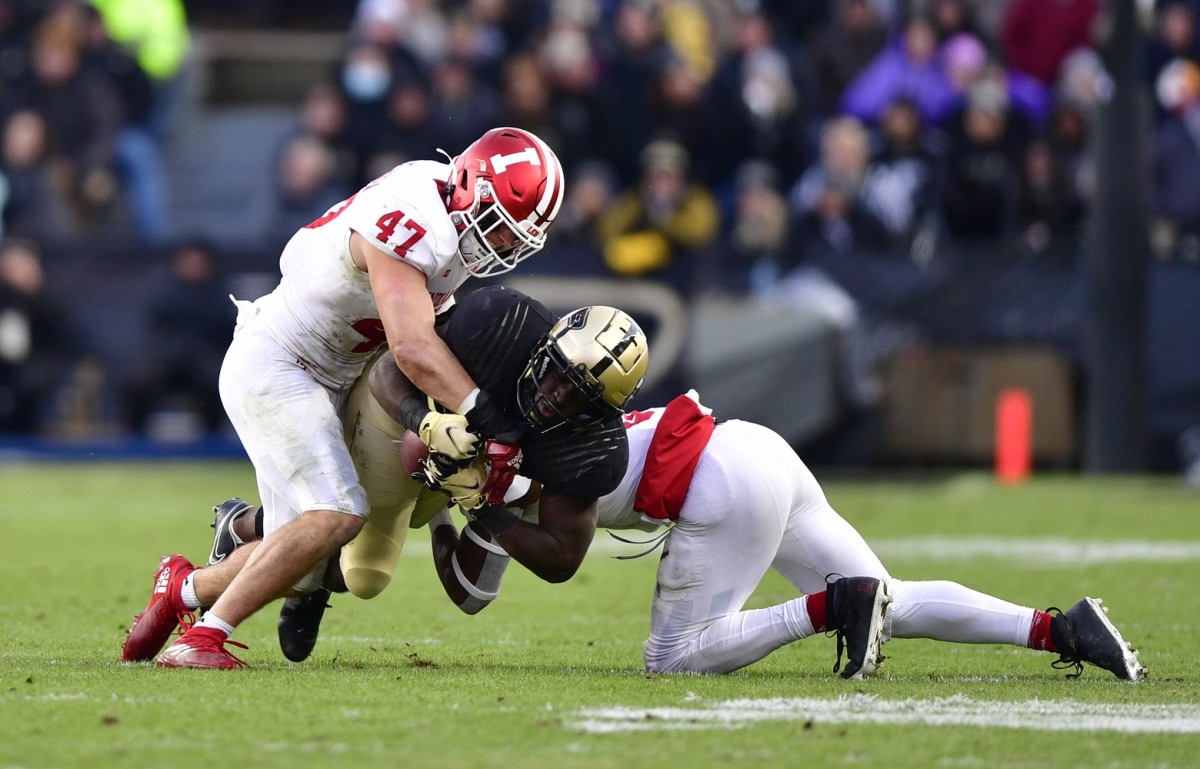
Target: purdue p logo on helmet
x,y
602,352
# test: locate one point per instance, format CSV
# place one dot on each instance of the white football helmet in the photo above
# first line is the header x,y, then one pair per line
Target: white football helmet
x,y
507,180
601,351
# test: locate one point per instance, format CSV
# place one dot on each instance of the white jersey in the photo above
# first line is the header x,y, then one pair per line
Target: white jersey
x,y
323,310
615,509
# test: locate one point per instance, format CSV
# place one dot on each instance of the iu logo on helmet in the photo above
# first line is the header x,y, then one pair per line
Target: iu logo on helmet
x,y
500,163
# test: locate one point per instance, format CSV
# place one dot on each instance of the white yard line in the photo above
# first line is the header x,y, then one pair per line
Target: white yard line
x,y
1041,550
1041,715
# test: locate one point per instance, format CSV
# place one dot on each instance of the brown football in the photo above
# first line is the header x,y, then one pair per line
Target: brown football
x,y
412,451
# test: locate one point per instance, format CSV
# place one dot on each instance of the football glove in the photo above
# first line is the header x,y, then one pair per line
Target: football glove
x,y
455,480
450,436
503,464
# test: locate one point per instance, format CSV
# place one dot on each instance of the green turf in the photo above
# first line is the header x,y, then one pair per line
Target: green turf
x,y
407,681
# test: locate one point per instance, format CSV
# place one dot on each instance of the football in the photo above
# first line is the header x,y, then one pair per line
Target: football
x,y
412,451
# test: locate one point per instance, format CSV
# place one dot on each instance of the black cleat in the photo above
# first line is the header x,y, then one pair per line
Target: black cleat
x,y
224,540
1083,633
300,623
855,607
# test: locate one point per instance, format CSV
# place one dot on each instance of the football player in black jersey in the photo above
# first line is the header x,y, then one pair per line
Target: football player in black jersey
x,y
566,381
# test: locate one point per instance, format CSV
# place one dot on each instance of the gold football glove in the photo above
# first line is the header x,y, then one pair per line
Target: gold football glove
x,y
448,434
463,484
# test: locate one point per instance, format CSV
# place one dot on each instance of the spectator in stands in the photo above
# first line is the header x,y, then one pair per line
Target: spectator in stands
x,y
570,62
754,253
909,68
843,169
1083,81
1067,134
979,17
1050,215
187,326
950,18
419,27
978,185
527,105
481,32
764,108
1036,35
840,50
966,63
680,107
1175,37
37,346
82,114
577,240
1083,84
839,222
155,32
663,227
465,106
632,50
365,77
1175,195
16,18
903,170
305,188
37,202
405,132
138,143
324,114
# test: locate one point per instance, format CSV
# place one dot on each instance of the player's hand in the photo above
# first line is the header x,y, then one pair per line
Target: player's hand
x,y
449,435
488,420
503,464
440,473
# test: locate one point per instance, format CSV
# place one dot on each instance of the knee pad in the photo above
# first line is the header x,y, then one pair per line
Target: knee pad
x,y
369,560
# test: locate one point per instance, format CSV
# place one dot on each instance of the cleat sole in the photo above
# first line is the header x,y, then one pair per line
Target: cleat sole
x,y
1134,670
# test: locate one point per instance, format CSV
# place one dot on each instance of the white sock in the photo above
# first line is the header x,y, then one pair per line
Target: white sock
x,y
188,593
211,620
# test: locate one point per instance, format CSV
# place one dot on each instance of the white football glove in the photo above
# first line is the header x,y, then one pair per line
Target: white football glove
x,y
448,435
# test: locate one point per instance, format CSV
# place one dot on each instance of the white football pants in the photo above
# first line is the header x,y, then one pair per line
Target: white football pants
x,y
291,427
753,505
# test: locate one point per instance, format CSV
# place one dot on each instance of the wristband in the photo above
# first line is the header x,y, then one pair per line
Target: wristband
x,y
468,402
496,519
412,412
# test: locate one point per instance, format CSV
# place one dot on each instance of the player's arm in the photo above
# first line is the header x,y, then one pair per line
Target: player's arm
x,y
407,314
554,547
470,564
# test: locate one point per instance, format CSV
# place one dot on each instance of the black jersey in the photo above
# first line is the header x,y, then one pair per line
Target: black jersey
x,y
493,331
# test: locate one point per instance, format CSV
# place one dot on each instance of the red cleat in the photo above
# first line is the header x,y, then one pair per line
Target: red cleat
x,y
165,612
201,647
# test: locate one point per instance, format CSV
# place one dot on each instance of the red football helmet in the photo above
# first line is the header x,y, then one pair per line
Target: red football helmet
x,y
507,180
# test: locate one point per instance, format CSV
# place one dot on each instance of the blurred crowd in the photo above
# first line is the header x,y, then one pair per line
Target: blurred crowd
x,y
914,167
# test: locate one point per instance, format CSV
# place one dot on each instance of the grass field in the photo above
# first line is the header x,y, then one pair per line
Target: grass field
x,y
550,675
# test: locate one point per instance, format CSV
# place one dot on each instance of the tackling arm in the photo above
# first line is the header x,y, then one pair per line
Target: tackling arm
x,y
407,314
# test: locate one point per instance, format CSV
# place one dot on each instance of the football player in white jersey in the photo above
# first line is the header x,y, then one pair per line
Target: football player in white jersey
x,y
739,501
369,277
